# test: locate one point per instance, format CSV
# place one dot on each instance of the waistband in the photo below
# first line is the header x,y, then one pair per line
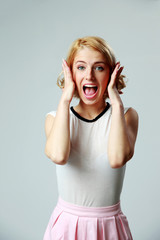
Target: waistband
x,y
84,211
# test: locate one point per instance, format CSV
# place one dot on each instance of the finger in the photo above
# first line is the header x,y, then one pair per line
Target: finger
x,y
64,61
120,92
114,74
64,66
64,72
119,71
67,71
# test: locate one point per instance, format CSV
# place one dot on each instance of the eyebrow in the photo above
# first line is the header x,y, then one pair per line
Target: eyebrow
x,y
79,61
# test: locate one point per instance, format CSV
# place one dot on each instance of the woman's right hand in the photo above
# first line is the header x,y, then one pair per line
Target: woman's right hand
x,y
69,84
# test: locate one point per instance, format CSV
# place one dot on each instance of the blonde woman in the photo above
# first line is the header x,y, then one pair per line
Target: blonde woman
x,y
90,143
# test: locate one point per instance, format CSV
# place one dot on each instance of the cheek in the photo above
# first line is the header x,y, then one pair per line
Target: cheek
x,y
77,76
75,79
105,79
74,74
105,83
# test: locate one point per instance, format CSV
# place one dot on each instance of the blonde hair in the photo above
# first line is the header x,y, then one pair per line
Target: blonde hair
x,y
97,44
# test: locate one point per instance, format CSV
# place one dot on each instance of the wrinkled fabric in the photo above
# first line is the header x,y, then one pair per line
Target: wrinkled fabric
x,y
73,222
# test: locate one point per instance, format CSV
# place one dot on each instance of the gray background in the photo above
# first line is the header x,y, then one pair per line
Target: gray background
x,y
35,36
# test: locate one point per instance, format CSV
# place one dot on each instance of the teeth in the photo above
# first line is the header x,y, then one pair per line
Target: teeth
x,y
90,85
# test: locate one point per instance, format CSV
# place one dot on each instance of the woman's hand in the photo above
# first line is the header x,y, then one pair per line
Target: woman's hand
x,y
113,92
69,85
123,130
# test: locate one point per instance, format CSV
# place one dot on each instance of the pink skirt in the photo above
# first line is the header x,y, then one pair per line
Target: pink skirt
x,y
73,222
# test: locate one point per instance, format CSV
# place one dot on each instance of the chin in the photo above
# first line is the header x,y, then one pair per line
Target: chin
x,y
90,101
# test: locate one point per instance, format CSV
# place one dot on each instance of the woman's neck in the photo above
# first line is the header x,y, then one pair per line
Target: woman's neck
x,y
90,111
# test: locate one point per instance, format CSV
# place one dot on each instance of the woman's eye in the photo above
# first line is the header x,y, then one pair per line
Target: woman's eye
x,y
80,67
99,68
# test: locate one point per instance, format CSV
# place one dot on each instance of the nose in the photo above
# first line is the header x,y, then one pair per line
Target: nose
x,y
89,74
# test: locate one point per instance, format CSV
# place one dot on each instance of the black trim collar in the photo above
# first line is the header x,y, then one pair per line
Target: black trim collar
x,y
90,120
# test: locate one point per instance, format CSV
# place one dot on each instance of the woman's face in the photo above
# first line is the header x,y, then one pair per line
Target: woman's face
x,y
91,75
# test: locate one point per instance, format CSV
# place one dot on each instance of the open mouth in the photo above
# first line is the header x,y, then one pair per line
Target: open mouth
x,y
90,91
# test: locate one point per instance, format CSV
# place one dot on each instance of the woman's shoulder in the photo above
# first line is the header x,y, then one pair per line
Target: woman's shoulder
x,y
131,116
130,111
127,110
52,113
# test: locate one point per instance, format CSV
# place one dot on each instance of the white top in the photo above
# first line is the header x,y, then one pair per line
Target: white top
x,y
87,178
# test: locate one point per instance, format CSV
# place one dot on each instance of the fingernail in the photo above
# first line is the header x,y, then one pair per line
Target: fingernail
x,y
122,67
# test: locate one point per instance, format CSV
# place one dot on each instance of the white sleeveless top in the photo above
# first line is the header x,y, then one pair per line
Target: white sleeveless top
x,y
87,178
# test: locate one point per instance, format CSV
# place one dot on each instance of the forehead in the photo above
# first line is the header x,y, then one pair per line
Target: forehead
x,y
88,54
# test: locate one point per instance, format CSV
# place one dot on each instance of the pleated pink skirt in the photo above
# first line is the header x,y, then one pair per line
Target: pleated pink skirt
x,y
73,222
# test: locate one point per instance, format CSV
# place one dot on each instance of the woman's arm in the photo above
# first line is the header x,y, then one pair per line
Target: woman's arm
x,y
124,127
57,128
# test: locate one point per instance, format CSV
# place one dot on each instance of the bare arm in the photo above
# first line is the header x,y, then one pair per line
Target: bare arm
x,y
57,128
123,129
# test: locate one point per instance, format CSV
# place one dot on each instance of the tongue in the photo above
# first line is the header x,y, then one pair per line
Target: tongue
x,y
90,91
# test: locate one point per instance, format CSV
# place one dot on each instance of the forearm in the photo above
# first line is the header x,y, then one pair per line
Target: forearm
x,y
119,147
58,141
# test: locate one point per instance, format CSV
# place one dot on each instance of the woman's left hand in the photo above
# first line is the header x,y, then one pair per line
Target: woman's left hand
x,y
113,92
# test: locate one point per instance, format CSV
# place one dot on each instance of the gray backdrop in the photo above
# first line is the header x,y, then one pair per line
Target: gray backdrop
x,y
35,36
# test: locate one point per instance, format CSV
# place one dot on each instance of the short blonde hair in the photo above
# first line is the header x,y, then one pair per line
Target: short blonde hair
x,y
97,44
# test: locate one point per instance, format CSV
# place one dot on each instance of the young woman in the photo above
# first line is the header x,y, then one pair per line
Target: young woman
x,y
90,144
